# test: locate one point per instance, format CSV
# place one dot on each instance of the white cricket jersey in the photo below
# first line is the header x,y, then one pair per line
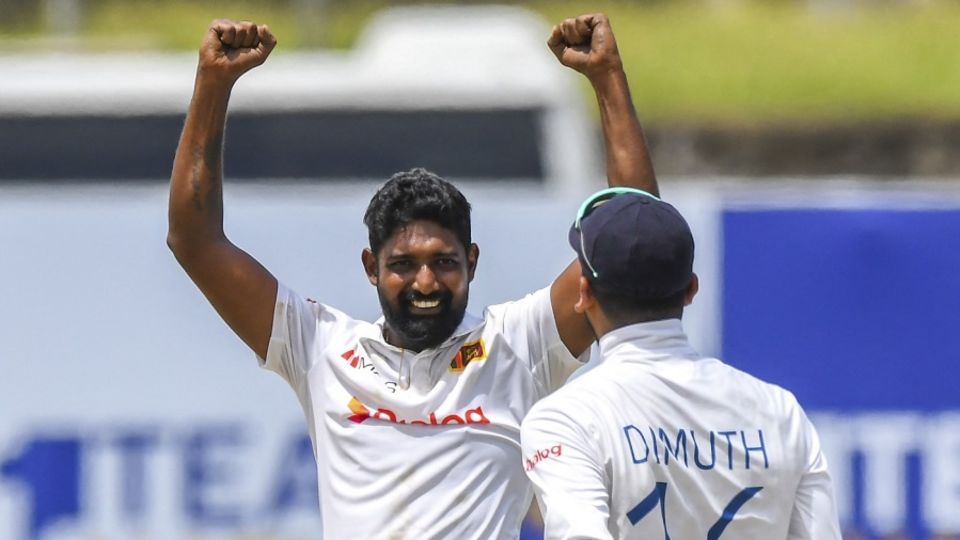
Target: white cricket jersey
x,y
419,445
656,441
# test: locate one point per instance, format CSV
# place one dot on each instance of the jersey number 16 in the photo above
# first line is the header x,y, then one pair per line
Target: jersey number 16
x,y
658,496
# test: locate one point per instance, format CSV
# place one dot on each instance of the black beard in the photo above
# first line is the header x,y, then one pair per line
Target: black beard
x,y
419,332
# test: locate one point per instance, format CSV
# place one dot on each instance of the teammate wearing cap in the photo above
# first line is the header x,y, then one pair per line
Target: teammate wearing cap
x,y
414,419
654,440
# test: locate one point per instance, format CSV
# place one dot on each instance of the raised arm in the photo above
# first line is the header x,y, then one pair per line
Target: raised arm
x,y
587,45
241,290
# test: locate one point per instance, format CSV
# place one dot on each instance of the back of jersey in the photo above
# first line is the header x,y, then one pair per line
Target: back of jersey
x,y
675,446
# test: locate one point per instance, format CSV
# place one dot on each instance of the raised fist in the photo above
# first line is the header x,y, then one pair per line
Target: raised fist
x,y
232,48
586,44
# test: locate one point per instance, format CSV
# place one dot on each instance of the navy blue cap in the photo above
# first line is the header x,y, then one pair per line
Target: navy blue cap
x,y
632,242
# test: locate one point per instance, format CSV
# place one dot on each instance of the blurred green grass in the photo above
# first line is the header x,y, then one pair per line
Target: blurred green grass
x,y
771,62
725,62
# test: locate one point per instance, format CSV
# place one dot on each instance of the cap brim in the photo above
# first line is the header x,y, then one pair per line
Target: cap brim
x,y
574,238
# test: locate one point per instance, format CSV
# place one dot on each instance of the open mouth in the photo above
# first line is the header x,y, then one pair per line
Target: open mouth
x,y
426,304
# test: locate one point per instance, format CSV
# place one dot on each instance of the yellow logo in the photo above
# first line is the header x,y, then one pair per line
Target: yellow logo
x,y
360,412
473,351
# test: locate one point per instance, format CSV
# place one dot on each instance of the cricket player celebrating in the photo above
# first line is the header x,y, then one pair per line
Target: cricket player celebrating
x,y
654,440
414,418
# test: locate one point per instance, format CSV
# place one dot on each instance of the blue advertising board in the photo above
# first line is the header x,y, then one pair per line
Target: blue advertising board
x,y
856,311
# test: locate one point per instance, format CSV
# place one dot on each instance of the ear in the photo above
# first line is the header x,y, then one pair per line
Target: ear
x,y
369,261
473,255
586,300
692,289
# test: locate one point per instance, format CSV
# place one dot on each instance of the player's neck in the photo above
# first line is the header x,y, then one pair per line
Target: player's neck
x,y
396,339
599,321
603,325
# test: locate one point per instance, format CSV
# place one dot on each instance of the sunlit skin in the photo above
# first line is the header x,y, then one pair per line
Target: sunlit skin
x,y
420,268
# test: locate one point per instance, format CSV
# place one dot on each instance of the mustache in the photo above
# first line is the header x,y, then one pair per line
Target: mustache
x,y
443,297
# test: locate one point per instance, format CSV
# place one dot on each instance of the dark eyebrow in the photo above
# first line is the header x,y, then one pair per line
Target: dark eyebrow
x,y
453,253
401,257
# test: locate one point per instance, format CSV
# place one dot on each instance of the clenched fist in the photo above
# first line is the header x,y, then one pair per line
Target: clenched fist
x,y
586,44
232,48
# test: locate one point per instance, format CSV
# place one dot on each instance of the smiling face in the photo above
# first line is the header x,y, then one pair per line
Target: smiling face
x,y
422,275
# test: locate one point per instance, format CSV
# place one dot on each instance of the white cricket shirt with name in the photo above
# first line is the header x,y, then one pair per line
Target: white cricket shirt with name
x,y
419,445
656,441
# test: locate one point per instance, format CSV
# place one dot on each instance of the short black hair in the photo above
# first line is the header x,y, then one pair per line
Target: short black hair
x,y
623,309
414,195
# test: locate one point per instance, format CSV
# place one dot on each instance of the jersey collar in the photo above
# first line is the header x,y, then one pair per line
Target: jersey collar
x,y
469,323
649,339
467,326
420,366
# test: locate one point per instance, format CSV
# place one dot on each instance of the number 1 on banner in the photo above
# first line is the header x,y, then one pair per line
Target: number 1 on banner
x,y
658,497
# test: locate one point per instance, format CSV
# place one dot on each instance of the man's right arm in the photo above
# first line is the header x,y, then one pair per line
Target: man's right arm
x,y
241,290
567,473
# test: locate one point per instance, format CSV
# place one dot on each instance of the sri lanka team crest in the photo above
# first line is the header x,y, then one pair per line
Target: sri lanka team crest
x,y
472,351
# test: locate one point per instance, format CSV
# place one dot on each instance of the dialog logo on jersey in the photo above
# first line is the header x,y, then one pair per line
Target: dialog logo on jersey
x,y
543,455
360,412
473,351
470,416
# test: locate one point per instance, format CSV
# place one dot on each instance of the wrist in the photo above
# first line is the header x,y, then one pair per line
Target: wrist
x,y
606,77
210,96
211,79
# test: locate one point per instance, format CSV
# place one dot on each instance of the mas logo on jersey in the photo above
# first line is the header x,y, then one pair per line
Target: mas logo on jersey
x,y
352,358
473,351
357,361
470,416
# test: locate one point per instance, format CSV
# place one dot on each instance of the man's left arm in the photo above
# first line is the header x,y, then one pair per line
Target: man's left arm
x,y
587,45
814,514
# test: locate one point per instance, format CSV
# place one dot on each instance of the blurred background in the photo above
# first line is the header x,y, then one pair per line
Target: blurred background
x,y
812,145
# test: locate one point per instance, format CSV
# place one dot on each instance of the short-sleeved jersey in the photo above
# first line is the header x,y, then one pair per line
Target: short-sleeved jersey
x,y
419,445
655,441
